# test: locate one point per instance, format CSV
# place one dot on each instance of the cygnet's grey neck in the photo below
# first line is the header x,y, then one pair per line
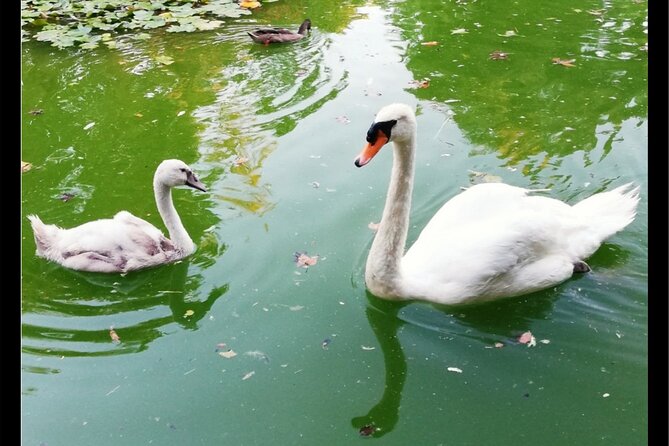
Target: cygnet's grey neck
x,y
178,234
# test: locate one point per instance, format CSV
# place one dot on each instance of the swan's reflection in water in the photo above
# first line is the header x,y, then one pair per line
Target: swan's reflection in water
x,y
487,323
139,312
384,320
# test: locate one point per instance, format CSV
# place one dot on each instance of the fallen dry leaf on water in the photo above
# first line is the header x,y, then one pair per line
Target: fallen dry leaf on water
x,y
66,197
364,347
89,125
249,4
499,55
36,111
499,345
248,375
165,60
482,177
528,338
189,313
228,354
304,261
454,369
424,83
564,63
139,115
432,43
510,33
114,337
367,430
240,161
459,31
25,166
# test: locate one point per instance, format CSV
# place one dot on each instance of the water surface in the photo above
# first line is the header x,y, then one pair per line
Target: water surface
x,y
272,132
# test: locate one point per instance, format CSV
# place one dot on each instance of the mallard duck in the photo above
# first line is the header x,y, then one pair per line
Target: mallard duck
x,y
491,241
125,242
279,35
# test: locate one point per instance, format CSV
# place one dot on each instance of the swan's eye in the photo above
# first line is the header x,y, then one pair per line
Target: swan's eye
x,y
183,169
385,127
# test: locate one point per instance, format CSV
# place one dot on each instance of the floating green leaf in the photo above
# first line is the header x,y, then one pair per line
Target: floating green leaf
x,y
165,60
187,27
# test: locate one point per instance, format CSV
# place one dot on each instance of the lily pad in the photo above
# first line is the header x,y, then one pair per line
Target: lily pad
x,y
187,28
65,23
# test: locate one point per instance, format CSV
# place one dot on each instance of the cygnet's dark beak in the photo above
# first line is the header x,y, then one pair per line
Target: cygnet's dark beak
x,y
192,181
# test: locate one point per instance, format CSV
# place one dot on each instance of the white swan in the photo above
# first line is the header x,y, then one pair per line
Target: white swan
x,y
491,241
125,242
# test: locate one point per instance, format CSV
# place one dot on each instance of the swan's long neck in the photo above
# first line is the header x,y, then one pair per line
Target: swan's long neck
x,y
178,234
382,273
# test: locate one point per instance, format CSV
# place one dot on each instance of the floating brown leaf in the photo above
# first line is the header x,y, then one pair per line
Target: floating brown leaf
x,y
189,313
36,111
139,115
248,375
528,338
228,354
304,261
431,43
499,345
424,83
240,161
367,430
499,55
25,166
525,337
565,63
66,197
114,337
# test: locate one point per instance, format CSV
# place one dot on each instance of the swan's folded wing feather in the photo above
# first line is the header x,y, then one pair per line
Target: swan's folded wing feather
x,y
496,252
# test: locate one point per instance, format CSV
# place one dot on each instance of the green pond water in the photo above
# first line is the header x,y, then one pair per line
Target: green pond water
x,y
273,131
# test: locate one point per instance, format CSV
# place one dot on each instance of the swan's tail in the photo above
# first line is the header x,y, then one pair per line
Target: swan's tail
x,y
609,212
43,234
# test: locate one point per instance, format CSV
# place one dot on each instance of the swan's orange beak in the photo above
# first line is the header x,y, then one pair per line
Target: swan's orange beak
x,y
371,149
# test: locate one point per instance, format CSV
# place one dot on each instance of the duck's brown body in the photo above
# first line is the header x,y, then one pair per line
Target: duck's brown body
x,y
279,35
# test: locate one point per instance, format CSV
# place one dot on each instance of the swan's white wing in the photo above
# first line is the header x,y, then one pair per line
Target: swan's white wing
x,y
491,241
118,244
